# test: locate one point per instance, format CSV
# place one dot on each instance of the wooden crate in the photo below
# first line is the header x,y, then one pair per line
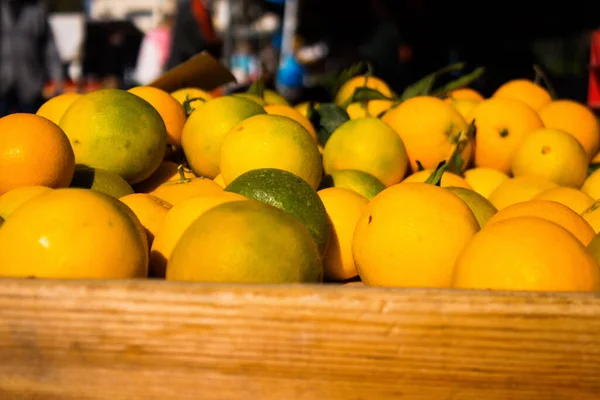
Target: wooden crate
x,y
67,340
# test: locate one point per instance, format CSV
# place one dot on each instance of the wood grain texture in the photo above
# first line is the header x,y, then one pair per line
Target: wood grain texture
x,y
63,340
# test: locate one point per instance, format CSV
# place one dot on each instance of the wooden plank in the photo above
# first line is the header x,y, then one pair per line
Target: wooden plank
x,y
149,340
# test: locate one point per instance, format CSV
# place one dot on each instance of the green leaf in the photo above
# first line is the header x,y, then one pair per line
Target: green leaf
x,y
455,161
310,109
420,166
187,104
436,176
345,76
257,88
364,93
541,77
326,119
462,82
425,85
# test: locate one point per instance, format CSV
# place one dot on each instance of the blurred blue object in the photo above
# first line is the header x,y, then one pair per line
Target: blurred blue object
x,y
277,40
290,73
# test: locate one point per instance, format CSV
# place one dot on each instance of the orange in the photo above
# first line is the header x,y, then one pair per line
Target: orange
x,y
55,108
150,210
484,180
219,180
252,97
592,216
591,185
465,94
525,91
246,242
448,179
184,94
575,199
303,107
344,208
526,253
117,131
290,112
553,155
501,125
346,91
13,199
443,124
33,152
174,192
167,171
596,159
172,113
176,221
73,233
272,97
575,119
463,106
270,141
518,189
373,108
551,211
206,128
410,236
368,145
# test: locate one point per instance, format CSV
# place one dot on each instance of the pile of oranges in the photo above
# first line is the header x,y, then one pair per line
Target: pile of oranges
x,y
431,191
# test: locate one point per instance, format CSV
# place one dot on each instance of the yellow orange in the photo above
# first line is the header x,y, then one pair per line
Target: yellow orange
x,y
176,221
206,128
33,152
55,108
270,141
368,145
575,119
174,192
543,256
185,94
517,190
73,233
410,236
501,125
465,94
150,211
290,112
346,91
592,216
13,199
553,155
575,199
442,122
167,171
551,211
525,91
484,180
344,208
172,113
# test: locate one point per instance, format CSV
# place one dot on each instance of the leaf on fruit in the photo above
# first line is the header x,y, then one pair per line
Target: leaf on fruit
x,y
425,85
455,161
326,119
350,73
462,82
187,104
365,94
420,166
257,88
541,77
436,176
